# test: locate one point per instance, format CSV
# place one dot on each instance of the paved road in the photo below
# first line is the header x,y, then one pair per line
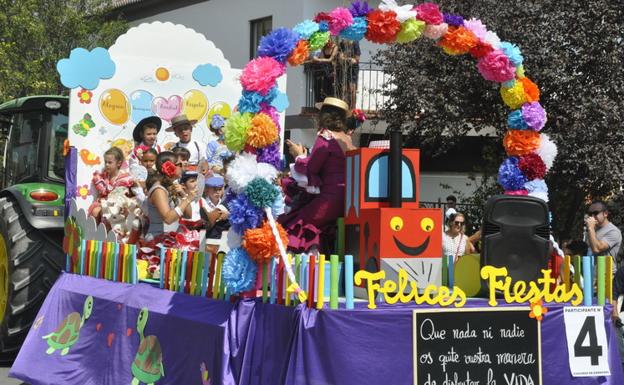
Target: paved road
x,y
5,380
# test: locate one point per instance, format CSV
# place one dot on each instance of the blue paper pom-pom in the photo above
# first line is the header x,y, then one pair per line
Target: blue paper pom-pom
x,y
278,206
239,271
535,186
510,176
243,214
355,31
512,51
306,28
251,101
323,26
516,121
278,44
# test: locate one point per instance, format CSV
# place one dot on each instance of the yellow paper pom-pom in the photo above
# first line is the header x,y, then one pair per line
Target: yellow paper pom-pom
x,y
411,30
262,131
513,96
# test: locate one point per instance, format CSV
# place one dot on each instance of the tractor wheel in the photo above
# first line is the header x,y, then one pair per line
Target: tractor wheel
x,y
30,262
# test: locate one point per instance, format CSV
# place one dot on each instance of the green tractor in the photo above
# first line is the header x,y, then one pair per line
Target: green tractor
x,y
32,194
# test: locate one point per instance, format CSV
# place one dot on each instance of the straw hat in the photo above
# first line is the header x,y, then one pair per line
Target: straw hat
x,y
334,102
179,121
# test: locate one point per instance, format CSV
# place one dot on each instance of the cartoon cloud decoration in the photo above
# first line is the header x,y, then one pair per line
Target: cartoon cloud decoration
x,y
85,68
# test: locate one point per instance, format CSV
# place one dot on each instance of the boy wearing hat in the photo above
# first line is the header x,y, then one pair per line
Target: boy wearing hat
x,y
216,213
183,128
144,135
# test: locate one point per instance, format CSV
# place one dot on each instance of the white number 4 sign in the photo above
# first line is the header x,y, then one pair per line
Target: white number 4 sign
x,y
587,341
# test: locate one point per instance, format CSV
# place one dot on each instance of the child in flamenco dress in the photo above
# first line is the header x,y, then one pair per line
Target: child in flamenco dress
x,y
320,183
107,180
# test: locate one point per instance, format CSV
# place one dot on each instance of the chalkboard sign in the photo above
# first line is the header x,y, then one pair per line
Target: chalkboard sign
x,y
470,346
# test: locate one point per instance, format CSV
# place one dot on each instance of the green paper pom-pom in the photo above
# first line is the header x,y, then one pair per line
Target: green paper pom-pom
x,y
410,30
261,193
235,131
318,40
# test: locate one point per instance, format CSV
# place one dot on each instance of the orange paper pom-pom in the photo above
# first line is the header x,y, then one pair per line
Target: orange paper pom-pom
x,y
382,27
300,53
530,90
521,142
260,243
262,132
458,41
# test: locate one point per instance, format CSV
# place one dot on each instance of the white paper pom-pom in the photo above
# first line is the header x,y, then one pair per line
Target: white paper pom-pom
x,y
543,195
244,169
492,39
547,150
234,239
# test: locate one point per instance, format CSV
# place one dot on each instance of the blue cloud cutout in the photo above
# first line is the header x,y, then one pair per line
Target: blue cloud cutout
x,y
280,102
207,74
85,68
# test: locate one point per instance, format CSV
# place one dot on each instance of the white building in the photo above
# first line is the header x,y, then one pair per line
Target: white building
x,y
236,26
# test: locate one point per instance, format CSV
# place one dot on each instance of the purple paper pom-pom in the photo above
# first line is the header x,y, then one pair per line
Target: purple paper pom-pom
x,y
278,44
454,20
271,155
243,214
534,115
359,9
510,176
239,271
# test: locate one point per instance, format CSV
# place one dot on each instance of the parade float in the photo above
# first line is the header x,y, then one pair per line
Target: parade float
x,y
252,314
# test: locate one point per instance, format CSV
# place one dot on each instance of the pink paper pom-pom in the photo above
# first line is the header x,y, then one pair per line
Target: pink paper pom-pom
x,y
429,13
260,74
435,32
496,67
341,18
477,27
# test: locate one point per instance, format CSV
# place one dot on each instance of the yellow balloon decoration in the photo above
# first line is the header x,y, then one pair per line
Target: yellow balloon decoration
x,y
194,104
221,108
114,106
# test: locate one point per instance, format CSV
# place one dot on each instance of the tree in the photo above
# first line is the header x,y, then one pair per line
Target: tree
x,y
35,34
574,52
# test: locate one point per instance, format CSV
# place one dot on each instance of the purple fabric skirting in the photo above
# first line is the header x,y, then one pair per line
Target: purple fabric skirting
x,y
205,341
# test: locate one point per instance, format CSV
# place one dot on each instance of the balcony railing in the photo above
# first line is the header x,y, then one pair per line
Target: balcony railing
x,y
323,80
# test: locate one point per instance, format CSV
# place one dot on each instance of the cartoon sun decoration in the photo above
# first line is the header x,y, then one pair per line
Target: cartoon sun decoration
x,y
538,310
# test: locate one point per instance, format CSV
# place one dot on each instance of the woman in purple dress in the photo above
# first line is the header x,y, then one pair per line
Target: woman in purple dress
x,y
316,190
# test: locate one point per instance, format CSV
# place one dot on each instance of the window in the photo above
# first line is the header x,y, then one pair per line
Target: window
x,y
258,28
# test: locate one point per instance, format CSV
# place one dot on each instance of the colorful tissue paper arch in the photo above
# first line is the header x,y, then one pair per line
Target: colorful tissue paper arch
x,y
251,131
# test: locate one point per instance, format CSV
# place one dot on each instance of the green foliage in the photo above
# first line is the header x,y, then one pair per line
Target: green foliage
x,y
573,51
35,34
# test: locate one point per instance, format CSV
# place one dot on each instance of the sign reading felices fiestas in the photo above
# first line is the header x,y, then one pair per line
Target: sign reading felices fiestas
x,y
405,290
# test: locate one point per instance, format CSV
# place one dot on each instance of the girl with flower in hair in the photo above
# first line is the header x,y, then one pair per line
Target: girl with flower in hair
x,y
160,191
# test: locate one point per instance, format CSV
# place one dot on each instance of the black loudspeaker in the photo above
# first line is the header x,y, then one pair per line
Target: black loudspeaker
x,y
516,235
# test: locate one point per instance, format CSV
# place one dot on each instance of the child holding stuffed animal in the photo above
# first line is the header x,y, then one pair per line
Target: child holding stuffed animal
x,y
110,178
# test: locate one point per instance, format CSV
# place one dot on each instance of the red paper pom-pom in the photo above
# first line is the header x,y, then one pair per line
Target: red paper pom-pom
x,y
322,16
382,27
532,166
480,50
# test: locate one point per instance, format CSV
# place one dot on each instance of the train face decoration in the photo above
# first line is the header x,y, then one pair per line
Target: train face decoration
x,y
389,238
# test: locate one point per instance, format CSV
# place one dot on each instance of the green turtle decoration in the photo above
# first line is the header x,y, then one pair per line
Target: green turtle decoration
x,y
147,366
67,333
